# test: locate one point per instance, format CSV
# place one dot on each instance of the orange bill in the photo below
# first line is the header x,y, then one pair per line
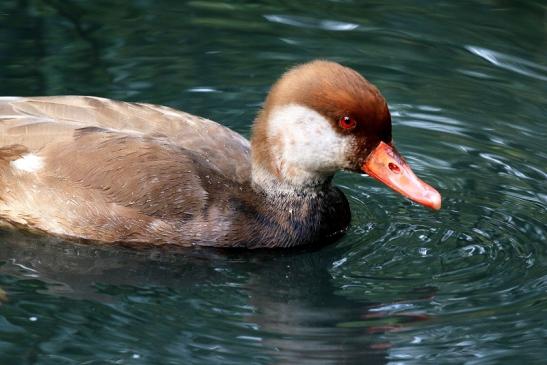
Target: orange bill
x,y
386,165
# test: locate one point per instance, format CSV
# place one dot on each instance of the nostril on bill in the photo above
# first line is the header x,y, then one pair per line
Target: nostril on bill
x,y
394,168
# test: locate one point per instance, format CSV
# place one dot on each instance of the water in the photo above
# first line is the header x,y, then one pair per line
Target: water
x,y
467,84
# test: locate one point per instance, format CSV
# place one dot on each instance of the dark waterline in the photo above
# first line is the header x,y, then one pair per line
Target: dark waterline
x,y
466,82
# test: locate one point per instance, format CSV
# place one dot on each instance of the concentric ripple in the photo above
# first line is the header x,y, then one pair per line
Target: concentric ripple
x,y
461,270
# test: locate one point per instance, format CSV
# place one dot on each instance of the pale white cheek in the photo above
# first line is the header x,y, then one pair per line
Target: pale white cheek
x,y
307,141
28,163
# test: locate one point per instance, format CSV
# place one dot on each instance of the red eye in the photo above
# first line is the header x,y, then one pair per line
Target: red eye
x,y
347,122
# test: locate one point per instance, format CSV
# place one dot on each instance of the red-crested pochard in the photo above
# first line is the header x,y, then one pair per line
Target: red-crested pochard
x,y
89,168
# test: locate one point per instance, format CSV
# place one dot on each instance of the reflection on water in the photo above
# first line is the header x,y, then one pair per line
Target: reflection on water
x,y
466,83
211,304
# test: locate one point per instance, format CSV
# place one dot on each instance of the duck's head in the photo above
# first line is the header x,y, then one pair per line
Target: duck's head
x,y
321,117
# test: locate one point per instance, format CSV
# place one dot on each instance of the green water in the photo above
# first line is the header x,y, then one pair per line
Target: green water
x,y
467,84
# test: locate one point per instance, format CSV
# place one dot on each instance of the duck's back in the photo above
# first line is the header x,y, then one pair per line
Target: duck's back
x,y
107,170
35,122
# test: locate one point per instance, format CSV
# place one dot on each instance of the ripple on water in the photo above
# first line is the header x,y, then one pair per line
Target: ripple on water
x,y
511,63
307,22
203,89
464,264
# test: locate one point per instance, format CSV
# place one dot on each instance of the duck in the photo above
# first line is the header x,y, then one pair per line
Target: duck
x,y
91,169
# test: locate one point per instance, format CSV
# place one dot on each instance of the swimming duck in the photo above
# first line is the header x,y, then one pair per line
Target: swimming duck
x,y
94,169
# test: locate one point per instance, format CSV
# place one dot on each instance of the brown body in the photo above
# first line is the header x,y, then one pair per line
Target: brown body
x,y
140,173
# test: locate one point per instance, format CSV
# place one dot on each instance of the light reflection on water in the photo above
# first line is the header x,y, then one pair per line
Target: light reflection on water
x,y
466,87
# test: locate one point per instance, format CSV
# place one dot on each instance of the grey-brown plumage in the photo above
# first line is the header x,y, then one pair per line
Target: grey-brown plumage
x,y
145,174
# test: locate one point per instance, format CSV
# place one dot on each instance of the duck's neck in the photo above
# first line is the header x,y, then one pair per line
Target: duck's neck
x,y
292,214
275,184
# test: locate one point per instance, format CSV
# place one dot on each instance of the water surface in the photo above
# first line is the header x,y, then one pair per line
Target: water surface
x,y
466,83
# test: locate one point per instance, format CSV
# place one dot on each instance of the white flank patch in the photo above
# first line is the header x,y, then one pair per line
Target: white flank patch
x,y
7,116
9,98
304,144
28,163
